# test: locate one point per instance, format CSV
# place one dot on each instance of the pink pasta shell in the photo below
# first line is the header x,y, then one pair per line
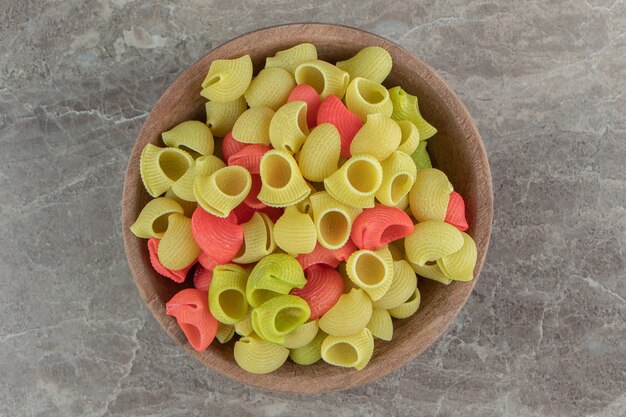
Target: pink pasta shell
x,y
218,237
333,111
191,309
455,214
323,256
324,286
380,225
251,199
202,278
206,261
249,157
178,275
306,93
243,213
231,146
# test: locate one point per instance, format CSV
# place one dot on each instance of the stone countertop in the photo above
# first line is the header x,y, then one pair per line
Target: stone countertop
x,y
544,332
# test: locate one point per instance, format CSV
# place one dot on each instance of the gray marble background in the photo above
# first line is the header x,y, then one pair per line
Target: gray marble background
x,y
542,335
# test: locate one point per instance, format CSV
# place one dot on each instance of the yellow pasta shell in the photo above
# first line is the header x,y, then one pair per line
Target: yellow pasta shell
x,y
258,239
244,327
221,117
420,156
302,335
192,136
288,128
270,88
430,195
372,62
431,240
405,107
282,183
188,206
162,167
333,220
356,182
402,287
177,248
290,58
396,248
227,79
203,166
399,174
431,271
348,285
258,356
276,274
408,308
253,126
351,351
365,97
294,232
324,77
381,325
410,137
460,265
227,294
319,156
279,316
223,190
152,221
379,137
224,333
309,353
350,315
371,270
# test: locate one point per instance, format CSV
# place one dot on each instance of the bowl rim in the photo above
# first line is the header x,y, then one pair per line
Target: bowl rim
x,y
267,382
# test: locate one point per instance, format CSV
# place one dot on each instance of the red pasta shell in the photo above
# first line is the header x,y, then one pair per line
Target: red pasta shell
x,y
321,255
324,286
178,275
243,213
251,199
306,93
380,225
455,214
191,309
206,261
218,237
202,278
249,157
333,111
231,146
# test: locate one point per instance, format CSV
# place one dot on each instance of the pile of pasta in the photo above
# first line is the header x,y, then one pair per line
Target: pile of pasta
x,y
303,227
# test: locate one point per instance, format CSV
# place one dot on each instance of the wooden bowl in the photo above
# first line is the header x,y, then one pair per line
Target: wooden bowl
x,y
457,150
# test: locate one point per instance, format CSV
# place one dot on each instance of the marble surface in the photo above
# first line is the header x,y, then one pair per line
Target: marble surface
x,y
542,335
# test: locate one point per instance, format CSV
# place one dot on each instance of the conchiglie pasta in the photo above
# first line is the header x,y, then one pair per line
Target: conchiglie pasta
x,y
410,137
227,79
309,353
225,332
432,240
371,270
188,206
356,182
270,88
455,213
289,59
333,220
326,78
177,276
399,175
294,232
402,286
222,191
202,166
380,225
227,294
162,167
365,97
319,156
379,137
324,286
279,316
333,111
274,275
249,157
430,195
221,117
302,335
306,93
372,62
282,181
349,316
380,325
253,126
420,157
152,220
244,327
408,308
397,249
258,239
177,248
259,356
460,265
288,128
191,310
230,146
405,107
192,136
219,237
350,351
431,271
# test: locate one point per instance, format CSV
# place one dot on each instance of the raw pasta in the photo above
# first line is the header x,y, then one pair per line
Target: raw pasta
x,y
202,166
309,353
431,271
249,157
431,240
162,167
405,107
227,79
380,325
191,136
253,126
333,111
420,157
351,351
279,316
202,277
349,315
258,356
430,195
177,276
319,156
460,265
225,332
220,237
222,191
227,294
282,181
177,248
244,327
152,221
380,225
221,117
410,137
333,220
270,88
455,213
306,93
399,175
258,239
325,78
365,97
372,271
188,206
302,335
356,182
294,232
408,308
191,310
372,62
324,256
324,286
276,274
402,286
289,59
288,128
231,146
379,137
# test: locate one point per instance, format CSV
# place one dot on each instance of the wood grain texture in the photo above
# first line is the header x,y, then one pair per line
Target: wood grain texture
x,y
457,149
